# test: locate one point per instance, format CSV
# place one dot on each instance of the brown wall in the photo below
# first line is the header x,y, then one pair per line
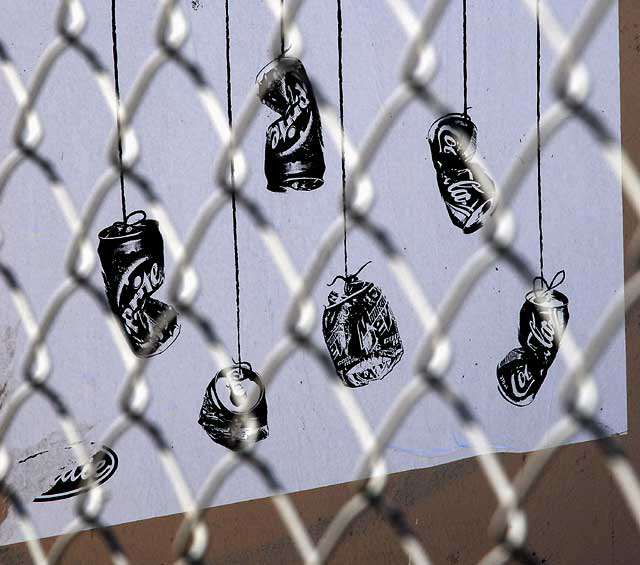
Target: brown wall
x,y
575,514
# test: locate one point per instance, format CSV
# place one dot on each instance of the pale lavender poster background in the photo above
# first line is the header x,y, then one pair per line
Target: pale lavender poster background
x,y
310,444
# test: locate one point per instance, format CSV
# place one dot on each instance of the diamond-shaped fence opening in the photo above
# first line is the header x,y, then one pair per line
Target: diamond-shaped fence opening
x,y
419,68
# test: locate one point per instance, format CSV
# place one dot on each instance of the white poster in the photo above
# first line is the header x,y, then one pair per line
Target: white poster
x,y
309,442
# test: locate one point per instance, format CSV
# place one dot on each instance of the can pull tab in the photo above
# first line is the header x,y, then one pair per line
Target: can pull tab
x,y
127,225
541,286
237,392
136,213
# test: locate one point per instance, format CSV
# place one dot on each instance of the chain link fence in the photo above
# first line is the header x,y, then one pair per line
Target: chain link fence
x,y
572,85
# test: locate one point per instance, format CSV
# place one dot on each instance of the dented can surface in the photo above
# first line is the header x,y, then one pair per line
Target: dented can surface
x,y
293,150
467,190
361,333
132,260
519,377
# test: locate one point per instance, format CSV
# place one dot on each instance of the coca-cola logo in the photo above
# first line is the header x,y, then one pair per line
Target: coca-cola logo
x,y
449,140
74,481
288,132
545,333
460,194
521,382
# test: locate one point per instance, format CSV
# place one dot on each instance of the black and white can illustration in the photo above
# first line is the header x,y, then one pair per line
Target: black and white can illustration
x,y
361,332
234,409
132,259
293,157
543,319
466,188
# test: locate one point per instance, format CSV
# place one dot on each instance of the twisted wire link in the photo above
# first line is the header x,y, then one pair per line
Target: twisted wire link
x,y
418,68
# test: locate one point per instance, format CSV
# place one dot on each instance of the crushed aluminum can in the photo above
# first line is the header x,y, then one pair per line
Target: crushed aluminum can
x,y
293,151
361,332
543,319
132,259
466,188
234,409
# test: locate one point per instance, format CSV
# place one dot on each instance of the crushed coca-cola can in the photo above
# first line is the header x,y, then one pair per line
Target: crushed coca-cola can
x,y
293,151
466,188
543,319
234,409
132,259
361,332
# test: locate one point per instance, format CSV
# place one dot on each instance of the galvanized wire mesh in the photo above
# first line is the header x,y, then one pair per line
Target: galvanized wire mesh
x,y
572,84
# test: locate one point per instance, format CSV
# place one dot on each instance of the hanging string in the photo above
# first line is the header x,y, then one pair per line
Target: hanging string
x,y
538,137
233,193
464,54
281,27
342,153
114,42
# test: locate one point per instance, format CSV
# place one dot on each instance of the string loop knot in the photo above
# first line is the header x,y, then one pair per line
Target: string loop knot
x,y
541,286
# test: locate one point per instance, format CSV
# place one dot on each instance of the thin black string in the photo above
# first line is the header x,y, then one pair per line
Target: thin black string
x,y
282,27
114,41
464,53
538,134
342,155
233,193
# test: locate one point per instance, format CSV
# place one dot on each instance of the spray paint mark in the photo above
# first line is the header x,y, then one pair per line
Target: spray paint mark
x,y
32,456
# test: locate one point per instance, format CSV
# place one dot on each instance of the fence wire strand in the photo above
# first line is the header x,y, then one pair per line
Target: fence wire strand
x,y
418,69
